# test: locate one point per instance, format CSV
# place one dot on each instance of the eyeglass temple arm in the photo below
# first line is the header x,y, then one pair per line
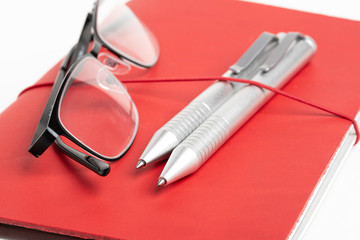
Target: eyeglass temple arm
x,y
41,142
82,46
99,167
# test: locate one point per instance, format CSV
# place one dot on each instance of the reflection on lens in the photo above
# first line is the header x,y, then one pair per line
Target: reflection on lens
x,y
97,110
119,28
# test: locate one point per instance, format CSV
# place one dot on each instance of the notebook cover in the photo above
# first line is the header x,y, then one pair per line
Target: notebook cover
x,y
254,187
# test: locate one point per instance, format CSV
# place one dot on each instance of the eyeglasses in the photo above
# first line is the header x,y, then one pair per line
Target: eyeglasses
x,y
88,108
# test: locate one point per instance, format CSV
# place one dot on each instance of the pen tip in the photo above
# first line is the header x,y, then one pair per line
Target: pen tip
x,y
162,182
141,164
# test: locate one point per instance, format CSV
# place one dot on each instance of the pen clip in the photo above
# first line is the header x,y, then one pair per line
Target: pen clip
x,y
279,52
255,50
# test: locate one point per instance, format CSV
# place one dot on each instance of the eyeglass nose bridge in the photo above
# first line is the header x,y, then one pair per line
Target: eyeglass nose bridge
x,y
114,64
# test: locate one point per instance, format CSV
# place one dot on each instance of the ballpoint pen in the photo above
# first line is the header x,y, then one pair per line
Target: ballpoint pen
x,y
179,127
291,54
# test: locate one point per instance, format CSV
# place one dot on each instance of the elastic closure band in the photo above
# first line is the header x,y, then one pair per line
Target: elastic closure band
x,y
198,79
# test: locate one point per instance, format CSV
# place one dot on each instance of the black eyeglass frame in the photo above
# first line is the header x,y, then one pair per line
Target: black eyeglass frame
x,y
50,127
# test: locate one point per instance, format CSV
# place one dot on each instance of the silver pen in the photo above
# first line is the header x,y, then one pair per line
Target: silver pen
x,y
291,54
197,111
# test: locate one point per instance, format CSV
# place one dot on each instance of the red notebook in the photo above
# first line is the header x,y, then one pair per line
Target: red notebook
x,y
254,187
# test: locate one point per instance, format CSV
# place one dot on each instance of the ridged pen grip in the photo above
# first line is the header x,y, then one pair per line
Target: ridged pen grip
x,y
207,138
187,120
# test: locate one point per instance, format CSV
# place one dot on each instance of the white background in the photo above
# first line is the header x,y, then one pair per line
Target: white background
x,y
36,34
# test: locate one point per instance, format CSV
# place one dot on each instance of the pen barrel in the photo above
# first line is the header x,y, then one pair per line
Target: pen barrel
x,y
168,137
228,118
182,124
221,125
206,139
186,121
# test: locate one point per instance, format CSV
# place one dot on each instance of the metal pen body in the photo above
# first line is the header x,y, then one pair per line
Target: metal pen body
x,y
197,111
181,125
228,118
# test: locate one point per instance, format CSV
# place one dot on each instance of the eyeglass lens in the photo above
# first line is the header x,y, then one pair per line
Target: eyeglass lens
x,y
97,110
119,28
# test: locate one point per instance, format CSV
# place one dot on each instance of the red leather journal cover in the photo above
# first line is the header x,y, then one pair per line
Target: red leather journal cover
x,y
254,187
